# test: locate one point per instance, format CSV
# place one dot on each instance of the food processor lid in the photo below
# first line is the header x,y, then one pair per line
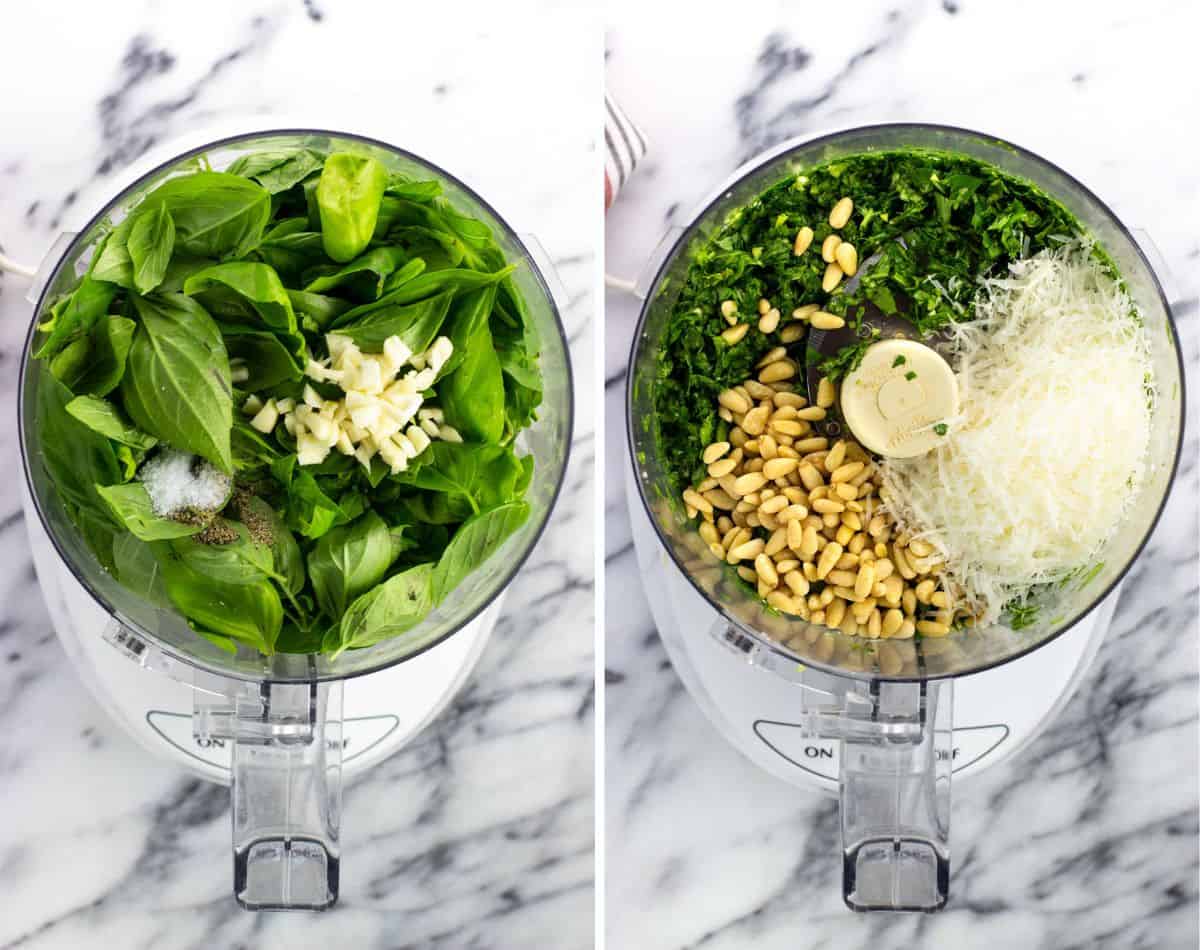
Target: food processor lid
x,y
234,131
656,282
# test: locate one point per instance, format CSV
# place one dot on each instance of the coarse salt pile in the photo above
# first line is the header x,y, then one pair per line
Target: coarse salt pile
x,y
177,481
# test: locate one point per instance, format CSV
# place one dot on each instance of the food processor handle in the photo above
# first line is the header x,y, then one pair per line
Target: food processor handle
x,y
896,764
287,789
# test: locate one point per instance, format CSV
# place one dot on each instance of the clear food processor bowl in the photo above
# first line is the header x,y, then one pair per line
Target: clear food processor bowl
x,y
283,712
889,701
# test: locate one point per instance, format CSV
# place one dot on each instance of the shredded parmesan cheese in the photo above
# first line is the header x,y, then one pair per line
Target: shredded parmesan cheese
x,y
1050,446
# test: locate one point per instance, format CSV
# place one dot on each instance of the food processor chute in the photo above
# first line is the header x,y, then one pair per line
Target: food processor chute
x,y
282,714
889,703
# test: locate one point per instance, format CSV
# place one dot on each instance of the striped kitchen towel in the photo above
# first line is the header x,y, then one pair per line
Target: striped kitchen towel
x,y
624,147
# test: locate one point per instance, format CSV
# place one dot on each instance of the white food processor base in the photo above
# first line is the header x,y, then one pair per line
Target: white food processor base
x,y
381,711
996,712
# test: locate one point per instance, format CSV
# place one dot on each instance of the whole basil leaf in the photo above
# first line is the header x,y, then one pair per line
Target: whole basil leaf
x,y
216,214
136,567
378,262
473,543
387,610
428,284
476,477
278,170
267,360
102,416
71,362
130,505
417,324
108,350
320,309
151,241
176,385
309,510
469,310
113,265
75,315
401,186
472,396
349,192
349,561
245,291
220,588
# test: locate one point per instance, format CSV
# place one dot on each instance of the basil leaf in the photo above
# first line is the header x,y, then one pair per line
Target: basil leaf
x,y
216,214
113,264
473,543
151,241
348,196
428,284
322,310
398,604
130,505
267,360
469,310
136,567
108,350
176,385
417,324
378,262
472,396
243,291
309,510
221,588
102,416
75,315
349,561
278,170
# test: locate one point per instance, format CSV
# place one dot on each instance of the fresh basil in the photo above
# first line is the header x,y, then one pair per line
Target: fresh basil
x,y
75,315
349,561
177,385
387,610
215,214
475,542
349,193
377,264
103,417
417,324
473,395
151,241
130,505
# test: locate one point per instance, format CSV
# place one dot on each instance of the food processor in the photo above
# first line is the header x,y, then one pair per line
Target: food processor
x,y
284,731
885,724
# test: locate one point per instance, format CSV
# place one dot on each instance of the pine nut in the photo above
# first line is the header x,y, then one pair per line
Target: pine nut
x,y
865,581
725,414
694,499
900,559
893,620
789,427
781,602
763,305
722,467
747,551
720,498
907,629
772,505
717,550
750,482
826,395
928,628
847,258
779,468
797,582
825,598
845,492
729,310
884,569
829,558
755,421
809,545
818,617
842,536
829,248
827,321
734,335
795,535
841,213
709,533
734,401
894,592
756,390
828,506
792,332
769,322
815,444
707,485
835,613
792,512
747,574
939,599
785,564
777,371
849,628
714,452
804,237
811,414
839,578
803,313
920,548
857,543
773,355
862,611
875,630
845,472
924,591
908,600
765,568
833,277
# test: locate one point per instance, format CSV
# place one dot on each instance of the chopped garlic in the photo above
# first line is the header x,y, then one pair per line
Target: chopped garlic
x,y
251,406
266,418
449,434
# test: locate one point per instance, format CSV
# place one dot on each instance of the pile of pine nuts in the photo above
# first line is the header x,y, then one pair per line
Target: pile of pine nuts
x,y
802,521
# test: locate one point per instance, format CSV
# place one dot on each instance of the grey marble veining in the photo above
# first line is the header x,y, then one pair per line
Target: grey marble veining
x,y
479,834
1089,837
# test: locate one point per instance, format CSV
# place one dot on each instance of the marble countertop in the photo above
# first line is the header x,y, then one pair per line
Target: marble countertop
x,y
102,845
703,849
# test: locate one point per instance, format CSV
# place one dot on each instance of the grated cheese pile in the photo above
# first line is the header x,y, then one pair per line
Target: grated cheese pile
x,y
1050,446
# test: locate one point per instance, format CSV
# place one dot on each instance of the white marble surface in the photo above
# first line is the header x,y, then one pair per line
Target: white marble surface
x,y
1089,837
480,833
